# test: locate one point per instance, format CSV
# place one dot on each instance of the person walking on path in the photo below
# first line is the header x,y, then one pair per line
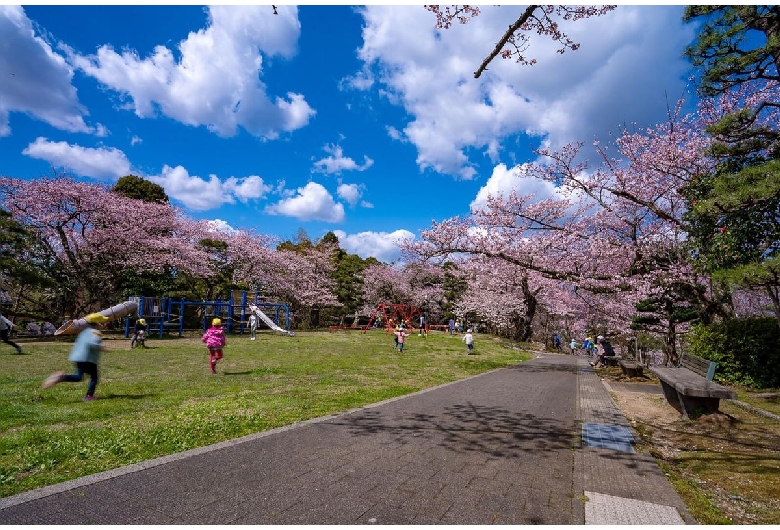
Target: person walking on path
x,y
253,326
401,335
468,338
215,340
5,330
573,345
86,355
557,341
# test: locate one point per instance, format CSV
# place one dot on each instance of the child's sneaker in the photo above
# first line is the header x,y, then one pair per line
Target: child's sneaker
x,y
90,398
53,379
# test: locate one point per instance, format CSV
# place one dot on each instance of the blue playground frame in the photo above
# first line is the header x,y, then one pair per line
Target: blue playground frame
x,y
158,313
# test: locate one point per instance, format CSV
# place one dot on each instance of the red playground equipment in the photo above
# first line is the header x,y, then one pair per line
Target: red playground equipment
x,y
394,314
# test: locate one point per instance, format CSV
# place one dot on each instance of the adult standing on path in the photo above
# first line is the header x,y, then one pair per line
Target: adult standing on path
x,y
5,330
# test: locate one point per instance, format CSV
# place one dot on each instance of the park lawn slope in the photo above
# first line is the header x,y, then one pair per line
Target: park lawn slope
x,y
163,399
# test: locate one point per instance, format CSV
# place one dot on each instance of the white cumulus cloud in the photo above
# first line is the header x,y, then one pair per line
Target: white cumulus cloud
x,y
198,193
97,162
628,65
310,203
35,80
214,78
505,180
351,193
384,246
337,162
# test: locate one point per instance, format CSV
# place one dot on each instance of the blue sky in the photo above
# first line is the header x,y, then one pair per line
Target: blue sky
x,y
366,121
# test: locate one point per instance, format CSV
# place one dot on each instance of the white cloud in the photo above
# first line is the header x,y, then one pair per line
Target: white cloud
x,y
312,202
247,188
135,140
214,79
362,80
197,193
351,193
337,162
381,245
503,181
35,80
218,225
630,55
395,134
100,163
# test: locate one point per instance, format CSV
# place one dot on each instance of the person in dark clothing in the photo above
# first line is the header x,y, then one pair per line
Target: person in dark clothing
x,y
5,330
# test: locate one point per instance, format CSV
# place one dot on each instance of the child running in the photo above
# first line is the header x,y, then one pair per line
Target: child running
x,y
400,336
215,340
85,354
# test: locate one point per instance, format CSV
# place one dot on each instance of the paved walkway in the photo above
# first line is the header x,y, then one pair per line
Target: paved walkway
x,y
538,443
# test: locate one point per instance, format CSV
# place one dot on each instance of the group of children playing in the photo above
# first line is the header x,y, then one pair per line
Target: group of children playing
x,y
400,334
86,351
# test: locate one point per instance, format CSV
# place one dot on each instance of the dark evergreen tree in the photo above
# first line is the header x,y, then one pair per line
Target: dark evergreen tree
x,y
734,214
135,187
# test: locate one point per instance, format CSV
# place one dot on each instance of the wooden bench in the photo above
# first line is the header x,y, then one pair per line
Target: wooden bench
x,y
611,360
631,368
689,387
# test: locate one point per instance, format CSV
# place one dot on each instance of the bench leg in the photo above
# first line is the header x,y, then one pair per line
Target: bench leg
x,y
697,406
689,407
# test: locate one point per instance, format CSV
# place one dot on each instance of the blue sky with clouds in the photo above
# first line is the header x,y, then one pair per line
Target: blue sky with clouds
x,y
366,121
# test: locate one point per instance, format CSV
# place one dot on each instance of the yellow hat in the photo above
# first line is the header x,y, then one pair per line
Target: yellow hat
x,y
96,318
141,321
216,322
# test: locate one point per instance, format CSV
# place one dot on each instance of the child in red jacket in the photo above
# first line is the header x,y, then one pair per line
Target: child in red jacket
x,y
215,340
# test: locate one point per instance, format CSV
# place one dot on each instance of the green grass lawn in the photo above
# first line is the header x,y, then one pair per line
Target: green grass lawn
x,y
163,399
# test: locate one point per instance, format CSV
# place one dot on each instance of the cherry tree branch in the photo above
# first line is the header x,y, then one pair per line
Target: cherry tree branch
x,y
529,11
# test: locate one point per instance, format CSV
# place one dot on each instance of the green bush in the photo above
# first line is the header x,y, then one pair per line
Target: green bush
x,y
747,350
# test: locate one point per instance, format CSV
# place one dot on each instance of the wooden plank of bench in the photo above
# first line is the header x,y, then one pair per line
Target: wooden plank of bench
x,y
689,383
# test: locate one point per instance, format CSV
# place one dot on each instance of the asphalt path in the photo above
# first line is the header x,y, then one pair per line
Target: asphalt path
x,y
505,447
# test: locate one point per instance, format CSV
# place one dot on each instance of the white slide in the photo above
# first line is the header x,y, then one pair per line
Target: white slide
x,y
270,323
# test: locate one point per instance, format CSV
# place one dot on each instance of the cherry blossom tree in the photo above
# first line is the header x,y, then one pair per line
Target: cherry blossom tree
x,y
542,20
89,235
613,233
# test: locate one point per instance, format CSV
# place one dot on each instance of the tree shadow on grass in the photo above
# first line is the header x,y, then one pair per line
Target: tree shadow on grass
x,y
246,372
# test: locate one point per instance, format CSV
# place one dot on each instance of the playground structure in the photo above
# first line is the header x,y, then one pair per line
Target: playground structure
x,y
166,314
270,323
394,314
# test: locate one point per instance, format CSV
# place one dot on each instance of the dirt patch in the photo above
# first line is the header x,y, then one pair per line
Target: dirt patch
x,y
726,466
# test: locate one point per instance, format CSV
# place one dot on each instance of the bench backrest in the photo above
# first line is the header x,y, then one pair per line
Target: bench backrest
x,y
703,367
